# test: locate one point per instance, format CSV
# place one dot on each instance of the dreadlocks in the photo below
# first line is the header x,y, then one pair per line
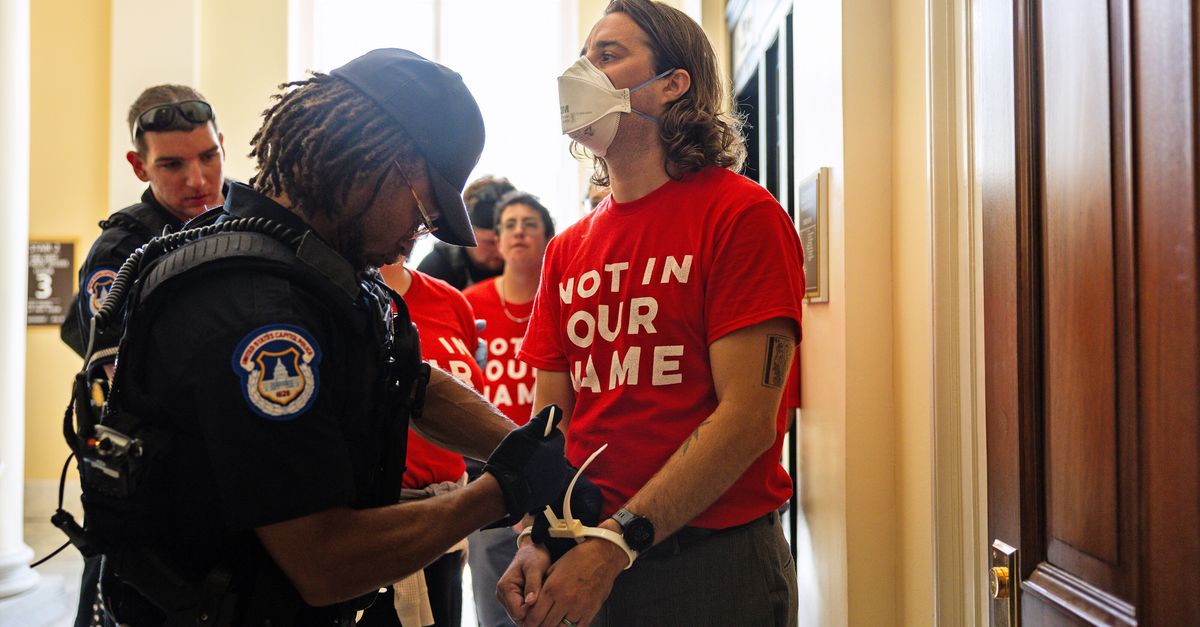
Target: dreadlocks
x,y
319,139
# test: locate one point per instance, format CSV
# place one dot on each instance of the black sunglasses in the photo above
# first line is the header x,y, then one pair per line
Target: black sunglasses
x,y
162,117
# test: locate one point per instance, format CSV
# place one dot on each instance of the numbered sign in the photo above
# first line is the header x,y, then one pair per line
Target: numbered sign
x,y
51,282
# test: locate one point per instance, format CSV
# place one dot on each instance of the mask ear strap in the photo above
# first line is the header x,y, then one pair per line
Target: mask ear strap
x,y
645,116
641,114
654,78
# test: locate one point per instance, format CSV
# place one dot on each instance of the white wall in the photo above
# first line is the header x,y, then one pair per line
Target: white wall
x,y
817,57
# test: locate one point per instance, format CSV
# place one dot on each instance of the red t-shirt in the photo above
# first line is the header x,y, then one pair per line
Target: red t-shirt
x,y
508,381
447,327
631,297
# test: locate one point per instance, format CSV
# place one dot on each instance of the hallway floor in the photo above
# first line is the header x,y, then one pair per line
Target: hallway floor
x,y
51,603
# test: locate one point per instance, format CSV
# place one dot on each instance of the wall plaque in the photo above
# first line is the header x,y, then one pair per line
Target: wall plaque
x,y
51,282
812,221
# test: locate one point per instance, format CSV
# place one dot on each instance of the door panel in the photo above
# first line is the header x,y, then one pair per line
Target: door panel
x,y
1085,152
1080,332
1168,402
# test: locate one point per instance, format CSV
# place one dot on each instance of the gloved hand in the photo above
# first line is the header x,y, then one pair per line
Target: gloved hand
x,y
586,501
530,467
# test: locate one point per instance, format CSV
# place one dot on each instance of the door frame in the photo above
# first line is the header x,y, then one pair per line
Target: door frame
x,y
960,540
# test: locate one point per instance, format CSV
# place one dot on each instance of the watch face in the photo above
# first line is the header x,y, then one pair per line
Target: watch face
x,y
639,534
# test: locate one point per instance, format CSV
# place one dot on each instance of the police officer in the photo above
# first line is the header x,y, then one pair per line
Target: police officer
x,y
177,150
266,372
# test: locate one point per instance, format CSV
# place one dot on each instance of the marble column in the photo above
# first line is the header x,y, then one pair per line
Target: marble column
x,y
15,574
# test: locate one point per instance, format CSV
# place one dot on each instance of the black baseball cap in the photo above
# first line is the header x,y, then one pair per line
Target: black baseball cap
x,y
435,108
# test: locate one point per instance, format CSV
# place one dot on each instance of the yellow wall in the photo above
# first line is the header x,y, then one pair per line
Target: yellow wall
x,y
243,59
870,423
866,465
590,12
68,176
912,294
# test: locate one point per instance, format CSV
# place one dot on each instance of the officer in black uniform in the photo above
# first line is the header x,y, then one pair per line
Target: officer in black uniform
x,y
177,149
268,375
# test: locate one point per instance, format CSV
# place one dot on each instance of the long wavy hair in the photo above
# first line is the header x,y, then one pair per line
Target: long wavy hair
x,y
699,129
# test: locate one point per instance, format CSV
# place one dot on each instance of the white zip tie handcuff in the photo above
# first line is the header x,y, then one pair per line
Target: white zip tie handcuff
x,y
570,527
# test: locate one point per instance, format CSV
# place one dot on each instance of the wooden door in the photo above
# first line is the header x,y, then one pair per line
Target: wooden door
x,y
1086,155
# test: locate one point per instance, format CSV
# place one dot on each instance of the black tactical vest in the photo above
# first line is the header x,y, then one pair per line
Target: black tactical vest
x,y
123,495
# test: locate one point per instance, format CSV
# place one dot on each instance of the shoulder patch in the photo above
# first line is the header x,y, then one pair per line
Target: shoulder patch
x,y
278,367
97,286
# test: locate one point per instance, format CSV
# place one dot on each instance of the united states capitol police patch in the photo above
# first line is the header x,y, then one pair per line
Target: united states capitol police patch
x,y
278,366
97,287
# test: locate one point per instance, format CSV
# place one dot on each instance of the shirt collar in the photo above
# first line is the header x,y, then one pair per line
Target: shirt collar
x,y
149,199
241,201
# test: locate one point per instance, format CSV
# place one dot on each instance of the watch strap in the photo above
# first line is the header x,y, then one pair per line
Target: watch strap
x,y
624,517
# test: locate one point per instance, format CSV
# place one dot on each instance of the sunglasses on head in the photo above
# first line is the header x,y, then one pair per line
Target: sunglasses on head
x,y
162,117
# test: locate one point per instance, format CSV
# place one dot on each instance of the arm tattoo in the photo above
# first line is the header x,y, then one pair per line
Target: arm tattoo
x,y
693,437
778,360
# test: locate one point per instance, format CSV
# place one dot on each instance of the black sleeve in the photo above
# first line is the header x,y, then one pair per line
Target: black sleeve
x,y
439,264
104,260
254,363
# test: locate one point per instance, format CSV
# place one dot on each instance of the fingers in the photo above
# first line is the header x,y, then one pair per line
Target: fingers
x,y
510,594
550,612
521,584
534,576
575,588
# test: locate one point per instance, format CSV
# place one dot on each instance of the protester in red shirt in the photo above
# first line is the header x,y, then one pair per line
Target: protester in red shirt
x,y
505,302
524,227
665,325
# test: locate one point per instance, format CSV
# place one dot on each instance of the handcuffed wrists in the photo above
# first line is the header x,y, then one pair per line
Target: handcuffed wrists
x,y
613,537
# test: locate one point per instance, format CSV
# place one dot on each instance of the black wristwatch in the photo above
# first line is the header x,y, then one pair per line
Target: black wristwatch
x,y
638,531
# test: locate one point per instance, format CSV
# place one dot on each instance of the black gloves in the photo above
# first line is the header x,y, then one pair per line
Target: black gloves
x,y
586,501
530,466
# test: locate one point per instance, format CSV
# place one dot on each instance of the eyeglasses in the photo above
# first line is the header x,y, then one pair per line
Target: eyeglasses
x,y
162,117
528,224
426,226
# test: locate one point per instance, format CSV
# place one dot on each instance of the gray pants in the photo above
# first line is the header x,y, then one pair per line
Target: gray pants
x,y
490,553
744,576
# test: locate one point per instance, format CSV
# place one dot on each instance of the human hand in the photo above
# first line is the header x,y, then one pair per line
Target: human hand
x,y
586,501
521,582
529,465
577,585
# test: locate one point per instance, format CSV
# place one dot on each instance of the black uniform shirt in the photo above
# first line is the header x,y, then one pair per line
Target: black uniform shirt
x,y
118,239
453,265
270,390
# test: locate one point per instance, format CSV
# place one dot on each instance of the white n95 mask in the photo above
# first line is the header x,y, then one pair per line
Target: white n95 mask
x,y
591,107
